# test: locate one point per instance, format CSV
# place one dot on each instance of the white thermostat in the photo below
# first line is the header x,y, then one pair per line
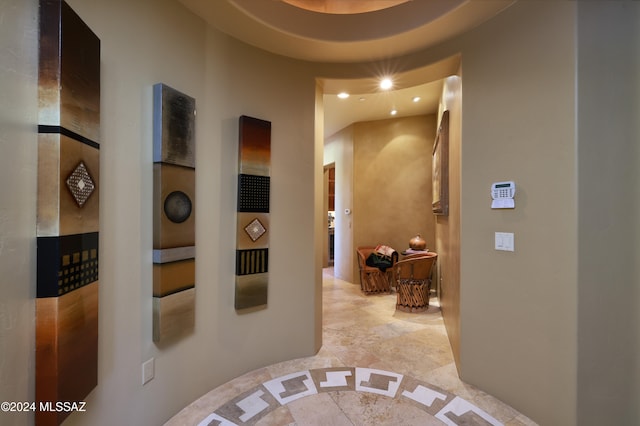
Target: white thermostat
x,y
502,194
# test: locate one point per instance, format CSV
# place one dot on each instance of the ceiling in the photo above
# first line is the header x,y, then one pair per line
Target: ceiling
x,y
342,6
351,31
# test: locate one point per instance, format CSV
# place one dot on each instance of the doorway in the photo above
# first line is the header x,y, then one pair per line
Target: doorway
x,y
447,240
329,192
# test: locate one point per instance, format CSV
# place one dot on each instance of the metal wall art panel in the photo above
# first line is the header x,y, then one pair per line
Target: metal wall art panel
x,y
252,233
68,205
440,168
174,228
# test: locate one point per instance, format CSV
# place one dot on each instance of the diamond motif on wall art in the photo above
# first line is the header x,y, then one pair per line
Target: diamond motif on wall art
x,y
255,230
80,184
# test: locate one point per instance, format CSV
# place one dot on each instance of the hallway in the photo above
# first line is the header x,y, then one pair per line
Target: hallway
x,y
377,366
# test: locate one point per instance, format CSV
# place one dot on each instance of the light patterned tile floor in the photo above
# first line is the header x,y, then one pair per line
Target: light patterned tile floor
x,y
377,366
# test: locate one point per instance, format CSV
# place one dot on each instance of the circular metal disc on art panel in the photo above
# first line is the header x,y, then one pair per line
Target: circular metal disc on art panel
x,y
177,206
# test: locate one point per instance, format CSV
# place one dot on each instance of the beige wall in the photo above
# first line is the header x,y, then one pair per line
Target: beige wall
x,y
18,164
518,310
447,228
338,150
320,216
609,214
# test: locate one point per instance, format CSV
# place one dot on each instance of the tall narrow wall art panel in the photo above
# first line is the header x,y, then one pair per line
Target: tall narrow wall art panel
x,y
174,237
68,204
252,234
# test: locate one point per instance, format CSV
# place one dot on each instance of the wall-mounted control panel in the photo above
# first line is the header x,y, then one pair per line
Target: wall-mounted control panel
x,y
502,194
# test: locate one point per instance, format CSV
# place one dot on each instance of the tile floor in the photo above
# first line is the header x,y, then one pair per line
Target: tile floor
x,y
377,366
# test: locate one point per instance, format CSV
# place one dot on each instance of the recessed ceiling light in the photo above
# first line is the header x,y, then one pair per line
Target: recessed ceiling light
x,y
394,111
343,95
416,99
362,99
386,84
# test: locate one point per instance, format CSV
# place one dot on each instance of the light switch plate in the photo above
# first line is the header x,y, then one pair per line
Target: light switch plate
x,y
148,371
504,241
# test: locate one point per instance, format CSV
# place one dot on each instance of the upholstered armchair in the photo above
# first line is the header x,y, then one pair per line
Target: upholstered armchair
x,y
374,279
412,277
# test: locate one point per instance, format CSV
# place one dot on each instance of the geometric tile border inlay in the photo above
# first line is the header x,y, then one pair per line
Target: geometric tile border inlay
x,y
251,406
80,184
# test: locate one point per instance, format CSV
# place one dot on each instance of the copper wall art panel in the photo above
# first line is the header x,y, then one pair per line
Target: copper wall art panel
x,y
174,194
69,73
440,168
252,234
68,206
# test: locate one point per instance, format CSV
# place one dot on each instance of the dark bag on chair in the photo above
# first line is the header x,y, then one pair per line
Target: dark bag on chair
x,y
376,260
